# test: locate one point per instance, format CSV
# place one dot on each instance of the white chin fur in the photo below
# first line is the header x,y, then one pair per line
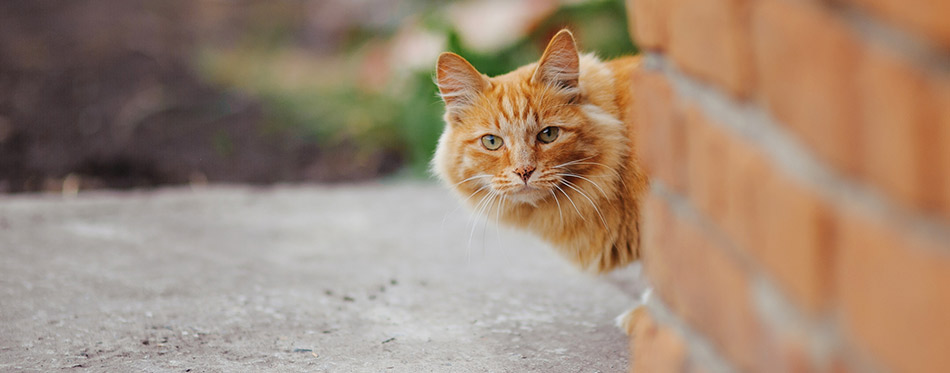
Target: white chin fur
x,y
530,197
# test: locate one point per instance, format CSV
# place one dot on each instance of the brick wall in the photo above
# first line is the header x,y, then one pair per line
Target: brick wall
x,y
799,212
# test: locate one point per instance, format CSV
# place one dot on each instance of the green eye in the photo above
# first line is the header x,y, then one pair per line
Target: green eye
x,y
491,142
548,134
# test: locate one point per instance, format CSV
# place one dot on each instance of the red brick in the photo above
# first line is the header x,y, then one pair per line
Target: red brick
x,y
660,141
648,22
746,168
927,18
794,357
840,365
658,234
725,174
693,366
700,282
798,248
805,60
942,166
733,185
894,293
710,39
899,111
706,147
654,347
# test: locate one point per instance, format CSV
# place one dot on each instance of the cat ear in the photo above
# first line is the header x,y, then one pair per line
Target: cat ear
x,y
458,80
559,65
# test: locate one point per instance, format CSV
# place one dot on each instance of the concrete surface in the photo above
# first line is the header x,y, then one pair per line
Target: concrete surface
x,y
370,278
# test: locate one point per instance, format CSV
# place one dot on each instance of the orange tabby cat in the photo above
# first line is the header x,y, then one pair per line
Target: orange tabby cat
x,y
546,148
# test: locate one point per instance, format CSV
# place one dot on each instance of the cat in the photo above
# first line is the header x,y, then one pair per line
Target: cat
x,y
547,148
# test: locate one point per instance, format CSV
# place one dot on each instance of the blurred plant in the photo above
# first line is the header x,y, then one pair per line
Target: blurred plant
x,y
368,94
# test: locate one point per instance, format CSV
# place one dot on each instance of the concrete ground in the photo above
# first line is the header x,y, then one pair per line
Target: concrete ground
x,y
369,278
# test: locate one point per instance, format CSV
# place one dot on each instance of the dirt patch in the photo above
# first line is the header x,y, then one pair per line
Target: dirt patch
x,y
103,94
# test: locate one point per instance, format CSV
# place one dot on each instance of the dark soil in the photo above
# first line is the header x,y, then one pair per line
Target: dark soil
x,y
102,94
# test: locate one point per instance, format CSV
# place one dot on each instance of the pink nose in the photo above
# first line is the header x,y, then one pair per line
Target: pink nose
x,y
524,173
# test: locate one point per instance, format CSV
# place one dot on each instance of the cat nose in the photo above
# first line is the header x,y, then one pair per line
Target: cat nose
x,y
524,173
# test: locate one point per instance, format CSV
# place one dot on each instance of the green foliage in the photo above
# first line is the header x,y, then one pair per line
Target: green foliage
x,y
334,116
600,26
407,115
421,122
222,144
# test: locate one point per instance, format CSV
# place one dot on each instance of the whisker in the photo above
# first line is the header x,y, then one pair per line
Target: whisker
x,y
573,186
471,178
464,201
491,203
571,201
589,181
595,164
574,161
615,172
476,191
478,212
474,215
559,213
602,165
501,203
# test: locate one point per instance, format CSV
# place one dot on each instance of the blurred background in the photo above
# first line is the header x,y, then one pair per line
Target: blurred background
x,y
137,93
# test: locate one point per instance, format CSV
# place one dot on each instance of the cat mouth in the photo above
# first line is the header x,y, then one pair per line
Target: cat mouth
x,y
525,188
525,193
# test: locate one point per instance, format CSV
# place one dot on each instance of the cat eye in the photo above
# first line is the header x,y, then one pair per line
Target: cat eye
x,y
548,134
491,142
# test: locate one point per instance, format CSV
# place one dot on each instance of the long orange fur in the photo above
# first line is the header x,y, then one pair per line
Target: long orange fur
x,y
584,192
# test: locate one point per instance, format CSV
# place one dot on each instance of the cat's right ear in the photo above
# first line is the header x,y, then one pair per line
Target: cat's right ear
x,y
459,83
560,65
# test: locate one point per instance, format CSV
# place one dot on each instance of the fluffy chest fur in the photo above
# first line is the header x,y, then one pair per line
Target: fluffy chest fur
x,y
547,148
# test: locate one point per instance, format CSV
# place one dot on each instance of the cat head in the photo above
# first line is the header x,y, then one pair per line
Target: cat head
x,y
520,135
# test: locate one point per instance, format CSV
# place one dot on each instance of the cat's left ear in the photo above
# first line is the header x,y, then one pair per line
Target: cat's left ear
x,y
559,65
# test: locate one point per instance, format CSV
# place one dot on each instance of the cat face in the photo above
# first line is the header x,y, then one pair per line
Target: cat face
x,y
523,136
